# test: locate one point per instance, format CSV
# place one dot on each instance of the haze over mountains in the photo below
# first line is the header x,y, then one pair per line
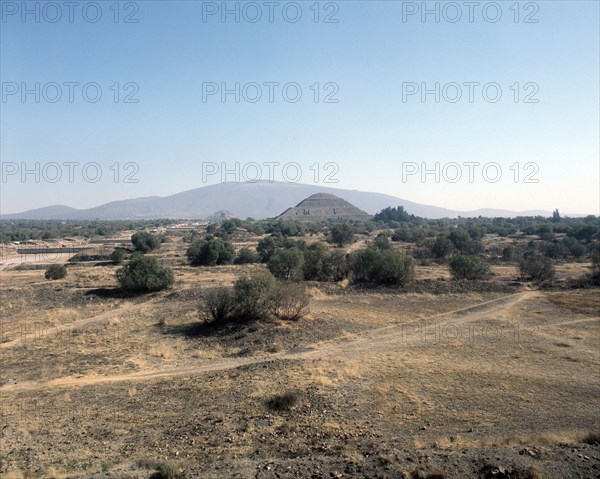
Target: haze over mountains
x,y
256,200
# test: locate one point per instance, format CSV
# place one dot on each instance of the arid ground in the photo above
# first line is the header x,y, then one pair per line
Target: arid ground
x,y
443,379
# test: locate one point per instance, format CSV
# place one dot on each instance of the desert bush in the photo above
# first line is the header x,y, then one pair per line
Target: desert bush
x,y
144,274
321,264
537,267
592,438
469,267
314,267
210,252
341,234
596,269
118,256
337,265
266,248
55,271
245,256
289,301
283,402
508,253
382,267
286,264
461,239
393,214
217,304
382,242
166,470
442,247
144,242
395,269
253,295
362,264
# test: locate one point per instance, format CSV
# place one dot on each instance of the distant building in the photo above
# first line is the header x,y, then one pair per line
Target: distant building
x,y
323,207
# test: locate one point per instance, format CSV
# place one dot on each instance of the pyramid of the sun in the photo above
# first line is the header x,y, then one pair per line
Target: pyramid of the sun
x,y
323,207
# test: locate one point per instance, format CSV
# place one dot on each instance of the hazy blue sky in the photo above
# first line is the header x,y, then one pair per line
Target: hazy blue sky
x,y
375,52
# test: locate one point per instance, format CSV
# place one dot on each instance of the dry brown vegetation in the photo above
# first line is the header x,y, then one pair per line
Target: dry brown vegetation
x,y
442,379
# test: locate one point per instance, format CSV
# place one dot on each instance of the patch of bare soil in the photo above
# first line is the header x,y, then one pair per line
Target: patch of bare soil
x,y
473,380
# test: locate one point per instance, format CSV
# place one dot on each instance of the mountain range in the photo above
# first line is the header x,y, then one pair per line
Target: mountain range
x,y
258,200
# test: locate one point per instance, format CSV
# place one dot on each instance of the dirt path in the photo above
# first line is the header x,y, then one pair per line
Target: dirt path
x,y
380,339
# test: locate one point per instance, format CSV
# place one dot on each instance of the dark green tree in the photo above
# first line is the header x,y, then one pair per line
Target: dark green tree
x,y
145,242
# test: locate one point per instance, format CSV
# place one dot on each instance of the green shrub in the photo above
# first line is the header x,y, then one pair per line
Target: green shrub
x,y
596,269
461,240
213,251
289,301
381,267
144,274
336,264
217,304
321,264
314,267
508,253
145,242
286,264
341,234
395,269
256,296
537,267
382,242
55,271
266,248
118,256
442,247
393,214
253,295
469,267
246,256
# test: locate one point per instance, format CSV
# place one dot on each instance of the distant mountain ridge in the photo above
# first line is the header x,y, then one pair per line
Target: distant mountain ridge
x,y
258,200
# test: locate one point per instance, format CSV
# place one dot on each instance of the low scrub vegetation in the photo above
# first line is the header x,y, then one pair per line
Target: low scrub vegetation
x,y
469,267
246,256
322,264
210,252
255,296
145,242
144,274
377,266
286,264
341,234
537,268
283,402
55,271
118,256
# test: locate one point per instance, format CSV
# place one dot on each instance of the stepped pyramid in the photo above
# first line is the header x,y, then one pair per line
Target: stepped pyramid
x,y
323,207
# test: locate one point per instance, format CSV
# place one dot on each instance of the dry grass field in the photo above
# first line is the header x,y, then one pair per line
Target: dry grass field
x,y
443,380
